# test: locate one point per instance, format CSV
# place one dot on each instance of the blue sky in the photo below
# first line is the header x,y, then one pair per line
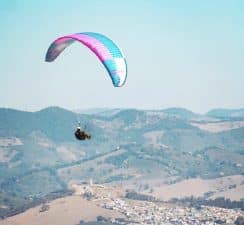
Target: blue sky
x,y
179,53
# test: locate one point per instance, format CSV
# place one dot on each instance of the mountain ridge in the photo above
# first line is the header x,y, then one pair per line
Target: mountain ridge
x,y
133,146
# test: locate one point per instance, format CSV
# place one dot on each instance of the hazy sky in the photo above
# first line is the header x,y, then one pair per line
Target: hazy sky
x,y
179,53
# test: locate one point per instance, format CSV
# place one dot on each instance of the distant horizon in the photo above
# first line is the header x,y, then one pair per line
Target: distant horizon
x,y
119,108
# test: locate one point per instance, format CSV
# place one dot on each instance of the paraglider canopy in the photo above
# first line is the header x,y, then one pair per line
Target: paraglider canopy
x,y
105,49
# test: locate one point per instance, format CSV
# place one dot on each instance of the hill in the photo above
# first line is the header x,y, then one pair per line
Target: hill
x,y
181,113
39,154
226,113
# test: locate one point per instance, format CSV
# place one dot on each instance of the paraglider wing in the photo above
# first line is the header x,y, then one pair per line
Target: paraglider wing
x,y
104,48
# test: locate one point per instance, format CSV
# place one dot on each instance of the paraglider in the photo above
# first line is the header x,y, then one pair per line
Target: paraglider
x,y
81,134
104,48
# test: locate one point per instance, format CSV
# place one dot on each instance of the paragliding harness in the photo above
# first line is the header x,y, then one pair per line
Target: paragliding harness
x,y
81,134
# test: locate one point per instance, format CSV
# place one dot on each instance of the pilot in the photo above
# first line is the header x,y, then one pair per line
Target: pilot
x,y
81,135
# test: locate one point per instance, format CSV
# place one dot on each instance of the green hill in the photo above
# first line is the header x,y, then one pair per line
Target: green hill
x,y
226,113
40,155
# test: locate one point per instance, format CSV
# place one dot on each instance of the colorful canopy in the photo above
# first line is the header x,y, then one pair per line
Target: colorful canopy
x,y
104,48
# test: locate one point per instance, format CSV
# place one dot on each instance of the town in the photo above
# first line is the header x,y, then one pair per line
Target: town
x,y
154,212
